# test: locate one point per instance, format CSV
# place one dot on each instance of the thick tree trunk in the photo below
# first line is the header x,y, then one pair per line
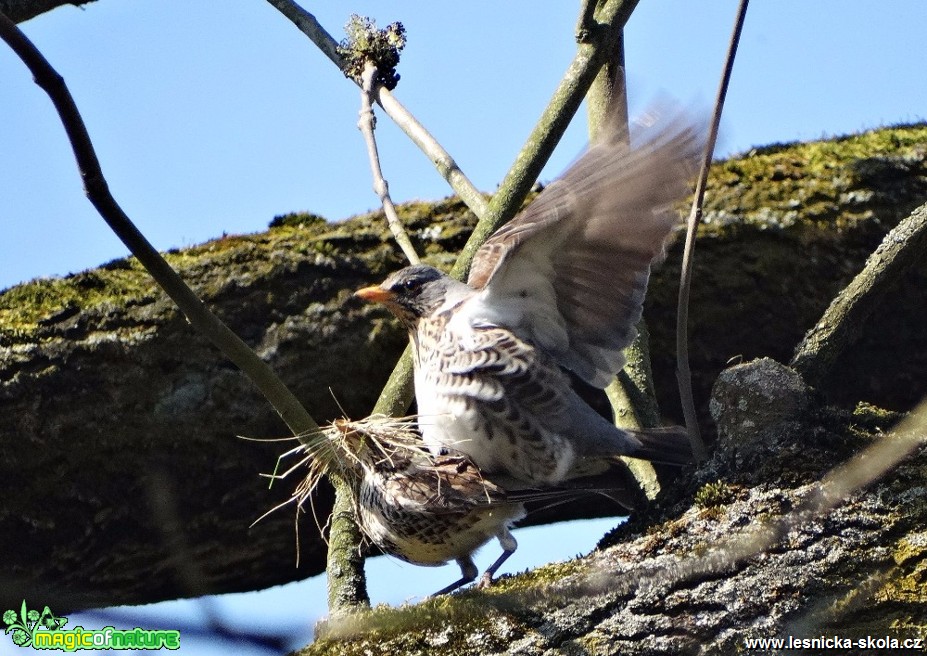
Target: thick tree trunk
x,y
118,423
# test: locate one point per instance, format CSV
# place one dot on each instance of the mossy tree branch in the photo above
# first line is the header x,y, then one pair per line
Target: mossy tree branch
x,y
843,321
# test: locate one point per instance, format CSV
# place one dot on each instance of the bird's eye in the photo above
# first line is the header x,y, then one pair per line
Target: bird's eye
x,y
410,284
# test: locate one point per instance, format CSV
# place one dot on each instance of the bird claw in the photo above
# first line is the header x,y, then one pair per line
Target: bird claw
x,y
484,582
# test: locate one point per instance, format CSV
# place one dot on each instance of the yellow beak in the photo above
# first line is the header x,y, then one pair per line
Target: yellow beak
x,y
375,294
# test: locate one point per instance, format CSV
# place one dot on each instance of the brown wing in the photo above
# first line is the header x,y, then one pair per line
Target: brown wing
x,y
581,252
452,484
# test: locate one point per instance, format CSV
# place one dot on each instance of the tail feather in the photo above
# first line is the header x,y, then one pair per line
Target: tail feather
x,y
669,445
615,481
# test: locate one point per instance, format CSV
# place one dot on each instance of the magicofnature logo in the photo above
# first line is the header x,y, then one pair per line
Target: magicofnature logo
x,y
45,630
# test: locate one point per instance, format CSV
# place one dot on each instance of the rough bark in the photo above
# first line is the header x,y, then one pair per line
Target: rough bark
x,y
111,406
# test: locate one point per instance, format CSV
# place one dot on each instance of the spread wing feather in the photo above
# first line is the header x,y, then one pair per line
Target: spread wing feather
x,y
588,242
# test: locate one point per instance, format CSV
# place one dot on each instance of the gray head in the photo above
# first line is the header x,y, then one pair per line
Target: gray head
x,y
410,293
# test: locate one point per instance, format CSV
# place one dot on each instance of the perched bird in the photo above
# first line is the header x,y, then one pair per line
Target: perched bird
x,y
430,510
432,513
553,294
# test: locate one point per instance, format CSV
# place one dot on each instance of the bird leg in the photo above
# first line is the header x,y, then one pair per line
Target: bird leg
x,y
509,545
468,572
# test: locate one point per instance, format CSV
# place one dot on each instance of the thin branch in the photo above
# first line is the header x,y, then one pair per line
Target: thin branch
x,y
283,401
842,322
442,160
607,98
366,124
347,582
683,372
308,25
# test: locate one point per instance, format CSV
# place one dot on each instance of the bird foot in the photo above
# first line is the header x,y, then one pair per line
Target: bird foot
x,y
484,582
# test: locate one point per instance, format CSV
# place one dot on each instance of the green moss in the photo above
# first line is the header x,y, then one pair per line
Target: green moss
x,y
871,418
297,219
712,514
26,307
712,495
462,624
820,184
908,584
364,42
532,579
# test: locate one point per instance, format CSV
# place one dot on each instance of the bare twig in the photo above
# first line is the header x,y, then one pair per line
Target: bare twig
x,y
683,373
309,26
442,160
283,401
842,322
366,124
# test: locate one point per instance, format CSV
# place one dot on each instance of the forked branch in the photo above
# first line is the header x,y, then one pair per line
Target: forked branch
x,y
441,159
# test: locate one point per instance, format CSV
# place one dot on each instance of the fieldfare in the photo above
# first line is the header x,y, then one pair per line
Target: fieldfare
x,y
554,293
429,513
430,510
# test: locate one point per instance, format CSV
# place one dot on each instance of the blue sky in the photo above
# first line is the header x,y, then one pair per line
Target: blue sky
x,y
210,120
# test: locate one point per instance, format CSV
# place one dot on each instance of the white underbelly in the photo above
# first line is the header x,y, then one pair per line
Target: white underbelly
x,y
449,418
